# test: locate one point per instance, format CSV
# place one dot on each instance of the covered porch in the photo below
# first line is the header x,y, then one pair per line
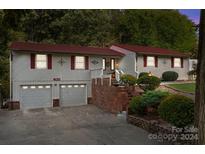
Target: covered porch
x,y
109,69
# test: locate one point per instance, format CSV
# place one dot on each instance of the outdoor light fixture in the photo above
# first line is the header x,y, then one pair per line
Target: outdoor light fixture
x,y
150,74
117,65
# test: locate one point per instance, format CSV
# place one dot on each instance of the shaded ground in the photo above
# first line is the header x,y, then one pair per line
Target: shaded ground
x,y
76,125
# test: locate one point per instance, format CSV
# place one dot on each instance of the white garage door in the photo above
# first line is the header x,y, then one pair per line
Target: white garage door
x,y
73,95
35,96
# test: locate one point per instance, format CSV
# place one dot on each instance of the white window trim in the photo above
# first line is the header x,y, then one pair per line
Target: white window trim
x,y
112,64
77,63
37,61
180,63
104,64
150,65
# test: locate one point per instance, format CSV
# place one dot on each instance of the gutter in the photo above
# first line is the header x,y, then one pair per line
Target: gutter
x,y
11,83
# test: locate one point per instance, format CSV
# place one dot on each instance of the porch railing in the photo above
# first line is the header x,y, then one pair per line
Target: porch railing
x,y
118,74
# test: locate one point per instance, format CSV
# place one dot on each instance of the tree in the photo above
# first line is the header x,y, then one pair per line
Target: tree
x,y
36,24
85,27
160,28
200,82
4,36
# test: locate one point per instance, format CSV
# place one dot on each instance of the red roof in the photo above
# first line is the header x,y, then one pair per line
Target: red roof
x,y
151,50
62,48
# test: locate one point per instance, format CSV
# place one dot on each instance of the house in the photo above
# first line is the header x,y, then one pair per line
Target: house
x,y
151,59
45,75
192,64
192,69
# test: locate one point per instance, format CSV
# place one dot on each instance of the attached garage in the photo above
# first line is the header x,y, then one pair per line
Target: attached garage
x,y
73,95
35,96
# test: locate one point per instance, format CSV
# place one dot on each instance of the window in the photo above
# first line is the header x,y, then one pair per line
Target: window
x,y
41,61
47,87
40,87
63,86
70,86
24,87
79,62
104,63
150,61
177,62
33,87
112,64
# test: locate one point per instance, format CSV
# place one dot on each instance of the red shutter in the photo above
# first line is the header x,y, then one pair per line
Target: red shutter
x,y
182,63
86,62
145,61
156,61
49,60
172,62
33,61
72,62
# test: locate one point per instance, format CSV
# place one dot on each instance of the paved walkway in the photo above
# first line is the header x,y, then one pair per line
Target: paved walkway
x,y
164,87
175,82
76,125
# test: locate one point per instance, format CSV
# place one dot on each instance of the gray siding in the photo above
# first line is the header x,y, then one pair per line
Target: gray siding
x,y
23,75
133,64
164,64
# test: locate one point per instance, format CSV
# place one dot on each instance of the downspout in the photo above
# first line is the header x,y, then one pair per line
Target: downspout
x,y
11,83
136,61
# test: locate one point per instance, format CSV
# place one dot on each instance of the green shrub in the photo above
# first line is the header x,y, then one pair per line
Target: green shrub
x,y
136,105
4,88
148,82
170,76
153,98
128,79
142,74
177,110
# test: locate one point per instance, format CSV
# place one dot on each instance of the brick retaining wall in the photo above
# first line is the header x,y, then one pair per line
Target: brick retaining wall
x,y
111,98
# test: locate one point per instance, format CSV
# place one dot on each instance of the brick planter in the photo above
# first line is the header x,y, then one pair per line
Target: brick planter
x,y
13,105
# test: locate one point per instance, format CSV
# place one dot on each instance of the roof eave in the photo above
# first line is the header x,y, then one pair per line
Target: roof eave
x,y
170,55
151,53
64,52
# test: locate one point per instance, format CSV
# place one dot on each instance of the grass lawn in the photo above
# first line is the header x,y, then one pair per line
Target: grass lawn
x,y
186,87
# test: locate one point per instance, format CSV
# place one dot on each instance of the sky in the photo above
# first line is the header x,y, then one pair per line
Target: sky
x,y
192,14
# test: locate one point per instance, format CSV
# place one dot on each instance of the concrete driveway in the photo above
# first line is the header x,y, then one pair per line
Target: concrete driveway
x,y
75,125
